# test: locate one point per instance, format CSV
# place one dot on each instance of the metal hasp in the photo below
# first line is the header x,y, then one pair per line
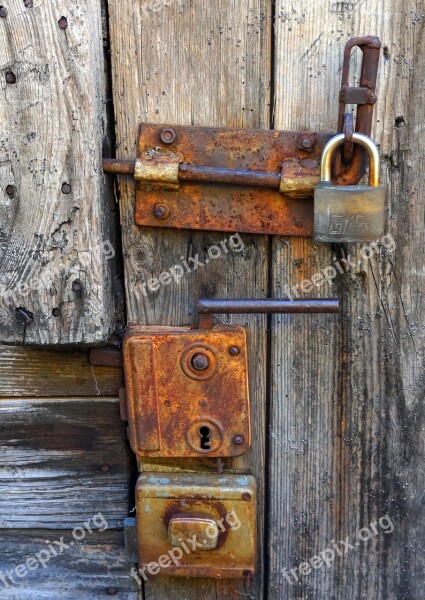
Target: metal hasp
x,y
196,525
246,180
187,392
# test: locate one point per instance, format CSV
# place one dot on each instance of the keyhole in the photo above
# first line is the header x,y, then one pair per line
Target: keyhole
x,y
205,433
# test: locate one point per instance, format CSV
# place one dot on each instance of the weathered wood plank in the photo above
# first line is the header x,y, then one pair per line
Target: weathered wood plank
x,y
31,373
194,64
347,441
62,461
54,239
95,567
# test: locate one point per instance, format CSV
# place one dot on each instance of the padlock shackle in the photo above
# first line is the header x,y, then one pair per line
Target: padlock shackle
x,y
358,138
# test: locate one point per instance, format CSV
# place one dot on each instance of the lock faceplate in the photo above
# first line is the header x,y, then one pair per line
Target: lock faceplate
x,y
196,525
187,391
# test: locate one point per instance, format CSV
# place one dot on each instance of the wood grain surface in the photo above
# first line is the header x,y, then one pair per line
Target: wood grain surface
x,y
54,216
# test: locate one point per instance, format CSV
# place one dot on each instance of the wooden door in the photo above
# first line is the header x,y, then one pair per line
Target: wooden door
x,y
337,401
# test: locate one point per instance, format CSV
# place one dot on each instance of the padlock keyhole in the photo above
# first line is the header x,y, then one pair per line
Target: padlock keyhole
x,y
205,433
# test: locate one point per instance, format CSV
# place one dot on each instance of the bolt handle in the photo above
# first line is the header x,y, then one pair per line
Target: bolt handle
x,y
207,308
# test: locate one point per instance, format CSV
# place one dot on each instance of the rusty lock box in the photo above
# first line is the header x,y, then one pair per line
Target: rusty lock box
x,y
187,391
196,525
187,388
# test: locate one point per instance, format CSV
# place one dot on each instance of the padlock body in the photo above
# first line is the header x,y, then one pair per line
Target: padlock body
x,y
349,213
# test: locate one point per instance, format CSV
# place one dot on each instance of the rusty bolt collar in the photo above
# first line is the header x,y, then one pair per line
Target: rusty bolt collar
x,y
168,136
200,362
161,211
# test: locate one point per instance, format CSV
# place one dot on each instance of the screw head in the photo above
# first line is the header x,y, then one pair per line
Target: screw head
x,y
10,77
200,362
66,188
76,286
112,591
3,12
63,23
167,403
238,440
246,496
11,191
234,350
168,136
106,468
161,211
56,312
28,3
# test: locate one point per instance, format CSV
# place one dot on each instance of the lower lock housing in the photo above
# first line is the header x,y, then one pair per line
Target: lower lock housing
x,y
196,525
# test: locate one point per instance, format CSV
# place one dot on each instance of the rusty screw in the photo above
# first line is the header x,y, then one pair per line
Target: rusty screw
x,y
200,362
234,350
306,141
66,188
11,191
238,440
161,211
168,136
10,77
63,23
167,403
246,496
3,12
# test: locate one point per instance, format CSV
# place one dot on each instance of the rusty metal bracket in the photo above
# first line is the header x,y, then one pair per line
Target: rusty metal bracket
x,y
246,180
351,161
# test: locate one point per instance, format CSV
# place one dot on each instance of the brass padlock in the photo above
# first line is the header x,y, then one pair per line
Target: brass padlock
x,y
349,213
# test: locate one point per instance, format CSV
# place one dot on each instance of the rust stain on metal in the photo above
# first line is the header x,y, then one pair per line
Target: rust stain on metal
x,y
217,509
230,181
187,396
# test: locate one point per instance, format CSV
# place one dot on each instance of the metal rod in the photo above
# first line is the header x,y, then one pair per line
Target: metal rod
x,y
207,308
268,306
119,167
230,176
204,174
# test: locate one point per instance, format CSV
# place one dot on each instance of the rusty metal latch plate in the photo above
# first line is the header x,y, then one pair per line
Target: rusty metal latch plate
x,y
187,391
196,524
291,163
